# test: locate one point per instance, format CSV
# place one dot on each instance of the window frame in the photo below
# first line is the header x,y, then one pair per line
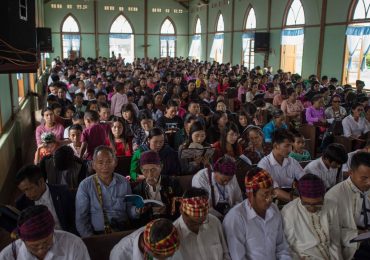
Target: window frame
x,y
167,41
70,33
251,41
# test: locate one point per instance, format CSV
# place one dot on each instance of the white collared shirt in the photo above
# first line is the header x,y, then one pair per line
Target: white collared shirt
x,y
155,195
283,175
208,244
251,237
128,247
312,235
352,127
66,246
47,201
318,168
349,203
232,193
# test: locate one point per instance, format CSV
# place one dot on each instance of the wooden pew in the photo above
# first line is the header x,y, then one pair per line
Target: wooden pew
x,y
185,181
123,165
345,141
242,169
309,133
99,246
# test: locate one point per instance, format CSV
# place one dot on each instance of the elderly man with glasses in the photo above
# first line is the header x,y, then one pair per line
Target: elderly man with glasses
x,y
311,225
254,228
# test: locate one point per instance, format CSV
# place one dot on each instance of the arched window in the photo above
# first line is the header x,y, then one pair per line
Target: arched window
x,y
357,57
196,42
248,39
168,39
292,38
71,37
121,39
218,42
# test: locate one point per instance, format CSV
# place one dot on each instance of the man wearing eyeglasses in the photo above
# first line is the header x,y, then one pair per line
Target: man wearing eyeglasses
x,y
352,198
311,225
201,233
156,187
254,228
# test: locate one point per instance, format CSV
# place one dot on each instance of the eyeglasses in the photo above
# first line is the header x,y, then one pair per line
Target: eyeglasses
x,y
336,101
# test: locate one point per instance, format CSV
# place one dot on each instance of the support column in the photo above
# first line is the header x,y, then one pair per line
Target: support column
x,y
322,37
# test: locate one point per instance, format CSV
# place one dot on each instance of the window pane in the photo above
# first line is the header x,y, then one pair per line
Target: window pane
x,y
167,27
220,24
70,25
198,28
295,14
122,44
121,25
251,20
71,42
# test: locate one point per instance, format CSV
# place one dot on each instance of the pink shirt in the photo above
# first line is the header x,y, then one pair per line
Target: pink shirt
x,y
57,129
118,100
289,108
314,115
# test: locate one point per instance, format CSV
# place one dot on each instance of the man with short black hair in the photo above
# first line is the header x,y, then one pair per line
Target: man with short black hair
x,y
327,167
57,198
39,240
283,169
352,198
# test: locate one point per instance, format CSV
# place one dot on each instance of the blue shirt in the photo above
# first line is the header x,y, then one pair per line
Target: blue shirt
x,y
89,213
270,128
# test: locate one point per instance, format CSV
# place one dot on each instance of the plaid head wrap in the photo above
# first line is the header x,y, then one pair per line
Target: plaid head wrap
x,y
225,167
311,186
195,207
165,247
260,180
37,227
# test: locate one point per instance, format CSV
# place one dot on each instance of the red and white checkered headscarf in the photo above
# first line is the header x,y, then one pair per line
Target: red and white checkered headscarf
x,y
260,180
195,207
165,247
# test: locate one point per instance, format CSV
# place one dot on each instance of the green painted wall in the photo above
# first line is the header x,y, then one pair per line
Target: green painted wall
x,y
85,18
333,47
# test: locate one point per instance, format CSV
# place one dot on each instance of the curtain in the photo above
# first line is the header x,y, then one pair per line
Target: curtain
x,y
366,47
168,38
217,47
292,36
352,43
71,42
245,38
195,47
120,36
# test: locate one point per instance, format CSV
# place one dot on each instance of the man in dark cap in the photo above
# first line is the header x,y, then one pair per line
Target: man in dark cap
x,y
39,240
221,184
156,187
311,225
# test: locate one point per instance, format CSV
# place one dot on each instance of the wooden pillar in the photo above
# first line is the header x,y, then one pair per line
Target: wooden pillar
x,y
267,54
96,29
232,30
146,28
322,37
207,23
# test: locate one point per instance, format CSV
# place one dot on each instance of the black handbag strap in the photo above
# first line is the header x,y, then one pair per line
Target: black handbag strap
x,y
209,173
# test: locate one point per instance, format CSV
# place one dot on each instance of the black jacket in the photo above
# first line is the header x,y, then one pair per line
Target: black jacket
x,y
64,205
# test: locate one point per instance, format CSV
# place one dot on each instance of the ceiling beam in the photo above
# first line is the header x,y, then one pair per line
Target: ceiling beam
x,y
46,1
182,3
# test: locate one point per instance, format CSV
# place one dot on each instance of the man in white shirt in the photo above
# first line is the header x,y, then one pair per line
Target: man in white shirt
x,y
38,240
201,233
221,184
352,198
283,169
354,125
57,198
327,166
254,228
311,225
158,239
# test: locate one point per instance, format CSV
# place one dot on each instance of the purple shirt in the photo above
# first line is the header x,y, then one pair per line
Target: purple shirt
x,y
94,136
314,115
57,129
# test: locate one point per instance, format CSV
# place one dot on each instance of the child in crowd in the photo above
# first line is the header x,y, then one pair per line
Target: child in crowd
x,y
94,134
48,145
298,152
78,102
77,119
74,135
118,100
117,140
104,112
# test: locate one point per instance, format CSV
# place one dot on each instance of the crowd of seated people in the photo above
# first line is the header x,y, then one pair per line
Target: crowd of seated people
x,y
117,141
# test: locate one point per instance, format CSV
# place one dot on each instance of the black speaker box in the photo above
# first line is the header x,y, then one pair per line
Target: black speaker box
x,y
262,42
44,42
18,52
